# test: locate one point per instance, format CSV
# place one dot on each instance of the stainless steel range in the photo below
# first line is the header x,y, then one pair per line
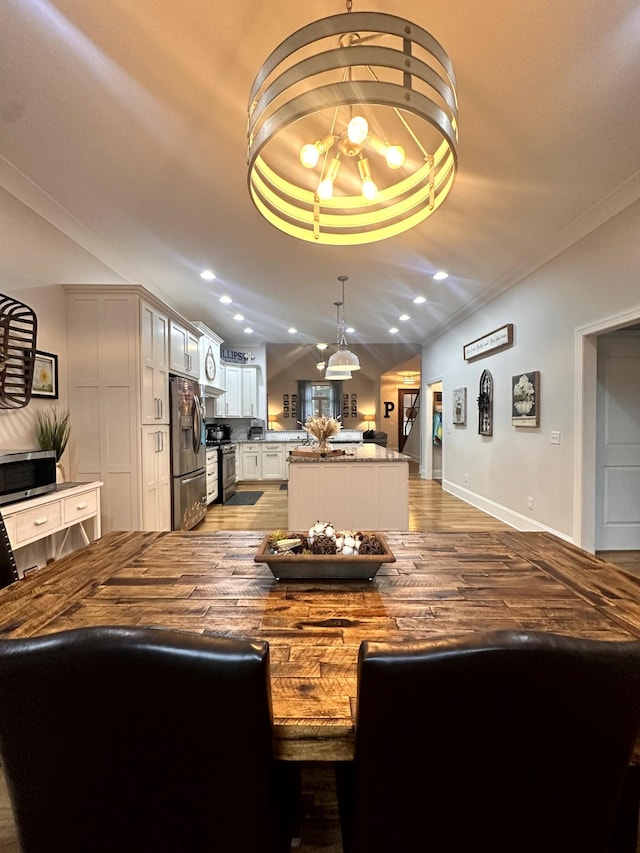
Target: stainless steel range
x,y
226,472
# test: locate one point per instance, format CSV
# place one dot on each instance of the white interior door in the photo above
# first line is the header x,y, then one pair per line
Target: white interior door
x,y
618,442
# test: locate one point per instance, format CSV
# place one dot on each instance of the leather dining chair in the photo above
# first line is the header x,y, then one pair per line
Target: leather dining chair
x,y
139,739
512,742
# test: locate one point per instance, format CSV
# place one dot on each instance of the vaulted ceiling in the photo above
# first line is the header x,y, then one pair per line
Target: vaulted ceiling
x,y
123,158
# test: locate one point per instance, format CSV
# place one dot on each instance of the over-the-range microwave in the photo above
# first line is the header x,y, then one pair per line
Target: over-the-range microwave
x,y
26,473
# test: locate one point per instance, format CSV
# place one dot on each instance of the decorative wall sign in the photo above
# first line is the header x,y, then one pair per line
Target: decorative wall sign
x,y
525,399
236,356
485,404
494,341
460,406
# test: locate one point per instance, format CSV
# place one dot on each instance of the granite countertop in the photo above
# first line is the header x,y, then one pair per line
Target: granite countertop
x,y
298,436
353,453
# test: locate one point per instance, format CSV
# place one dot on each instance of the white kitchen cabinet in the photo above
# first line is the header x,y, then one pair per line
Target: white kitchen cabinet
x,y
156,478
240,399
232,398
184,351
154,341
115,373
250,461
212,474
261,460
249,392
273,461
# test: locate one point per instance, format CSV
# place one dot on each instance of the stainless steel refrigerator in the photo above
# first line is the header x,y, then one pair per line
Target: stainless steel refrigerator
x,y
188,454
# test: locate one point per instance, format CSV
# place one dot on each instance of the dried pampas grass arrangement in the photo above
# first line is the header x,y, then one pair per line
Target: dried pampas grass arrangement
x,y
322,429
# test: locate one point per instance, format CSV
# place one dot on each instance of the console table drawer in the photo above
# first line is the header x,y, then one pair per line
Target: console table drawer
x,y
38,522
79,507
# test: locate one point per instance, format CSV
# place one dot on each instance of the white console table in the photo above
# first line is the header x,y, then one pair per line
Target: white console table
x,y
69,505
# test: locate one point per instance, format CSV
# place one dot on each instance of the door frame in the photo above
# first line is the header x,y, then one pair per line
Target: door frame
x,y
584,458
426,425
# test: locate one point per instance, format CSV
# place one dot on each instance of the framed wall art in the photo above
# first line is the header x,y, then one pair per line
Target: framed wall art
x,y
460,406
485,404
525,399
45,375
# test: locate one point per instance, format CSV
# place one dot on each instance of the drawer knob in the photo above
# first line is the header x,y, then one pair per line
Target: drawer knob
x,y
40,521
83,505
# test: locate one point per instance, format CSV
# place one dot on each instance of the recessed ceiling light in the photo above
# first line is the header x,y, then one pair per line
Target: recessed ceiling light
x,y
292,331
403,317
207,275
350,330
226,300
248,330
393,331
238,317
419,300
440,276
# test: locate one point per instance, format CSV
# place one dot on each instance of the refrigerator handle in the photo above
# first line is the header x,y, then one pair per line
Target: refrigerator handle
x,y
197,424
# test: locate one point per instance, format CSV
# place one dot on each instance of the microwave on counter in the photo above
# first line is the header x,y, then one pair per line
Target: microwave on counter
x,y
26,473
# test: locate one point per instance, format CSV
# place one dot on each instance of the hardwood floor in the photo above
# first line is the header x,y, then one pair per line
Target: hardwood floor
x,y
430,509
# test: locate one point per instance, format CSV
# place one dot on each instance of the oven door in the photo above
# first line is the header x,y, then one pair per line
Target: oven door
x,y
189,500
227,472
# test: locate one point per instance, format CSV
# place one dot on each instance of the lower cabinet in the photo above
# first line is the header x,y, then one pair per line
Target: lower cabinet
x,y
156,478
250,462
212,475
273,464
262,461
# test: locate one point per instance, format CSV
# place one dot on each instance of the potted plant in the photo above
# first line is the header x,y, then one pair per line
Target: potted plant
x,y
52,432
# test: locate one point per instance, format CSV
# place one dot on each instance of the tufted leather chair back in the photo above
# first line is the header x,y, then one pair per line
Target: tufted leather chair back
x,y
125,739
512,742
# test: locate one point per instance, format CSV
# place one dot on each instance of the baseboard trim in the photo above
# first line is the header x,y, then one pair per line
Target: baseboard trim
x,y
502,513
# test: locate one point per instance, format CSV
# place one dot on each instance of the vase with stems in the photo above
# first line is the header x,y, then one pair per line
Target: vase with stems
x,y
52,433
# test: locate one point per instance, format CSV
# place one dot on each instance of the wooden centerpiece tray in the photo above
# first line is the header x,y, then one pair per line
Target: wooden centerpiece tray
x,y
324,566
317,454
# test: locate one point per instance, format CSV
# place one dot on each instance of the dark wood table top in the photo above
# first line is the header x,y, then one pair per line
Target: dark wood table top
x,y
441,583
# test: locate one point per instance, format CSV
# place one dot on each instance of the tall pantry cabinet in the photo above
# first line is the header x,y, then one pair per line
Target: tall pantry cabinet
x,y
119,402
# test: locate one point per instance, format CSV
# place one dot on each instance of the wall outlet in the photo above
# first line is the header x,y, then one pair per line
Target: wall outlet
x,y
555,437
466,478
530,502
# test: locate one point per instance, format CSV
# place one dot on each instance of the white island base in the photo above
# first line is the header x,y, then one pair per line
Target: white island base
x,y
367,489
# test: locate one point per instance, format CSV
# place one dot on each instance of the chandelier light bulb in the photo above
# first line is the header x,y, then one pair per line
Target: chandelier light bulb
x,y
357,130
311,152
395,156
325,190
369,189
309,155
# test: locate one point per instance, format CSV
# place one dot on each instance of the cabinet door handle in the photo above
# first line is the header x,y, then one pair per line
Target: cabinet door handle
x,y
40,521
161,407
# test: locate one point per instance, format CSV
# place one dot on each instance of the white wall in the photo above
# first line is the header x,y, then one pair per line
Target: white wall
x,y
598,277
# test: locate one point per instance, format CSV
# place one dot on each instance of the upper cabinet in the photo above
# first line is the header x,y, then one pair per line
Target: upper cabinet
x,y
184,353
154,340
211,371
241,397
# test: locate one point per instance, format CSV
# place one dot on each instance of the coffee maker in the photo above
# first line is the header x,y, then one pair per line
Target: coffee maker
x,y
256,430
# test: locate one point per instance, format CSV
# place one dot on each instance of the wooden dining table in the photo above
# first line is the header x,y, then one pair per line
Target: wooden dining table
x,y
440,584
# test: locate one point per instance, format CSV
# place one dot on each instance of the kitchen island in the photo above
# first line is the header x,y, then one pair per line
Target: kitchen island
x,y
362,487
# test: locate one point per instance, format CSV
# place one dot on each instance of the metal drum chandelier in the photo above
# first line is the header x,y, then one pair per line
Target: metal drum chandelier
x,y
353,129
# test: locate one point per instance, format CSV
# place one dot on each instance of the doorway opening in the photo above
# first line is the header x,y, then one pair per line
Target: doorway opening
x,y
409,410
